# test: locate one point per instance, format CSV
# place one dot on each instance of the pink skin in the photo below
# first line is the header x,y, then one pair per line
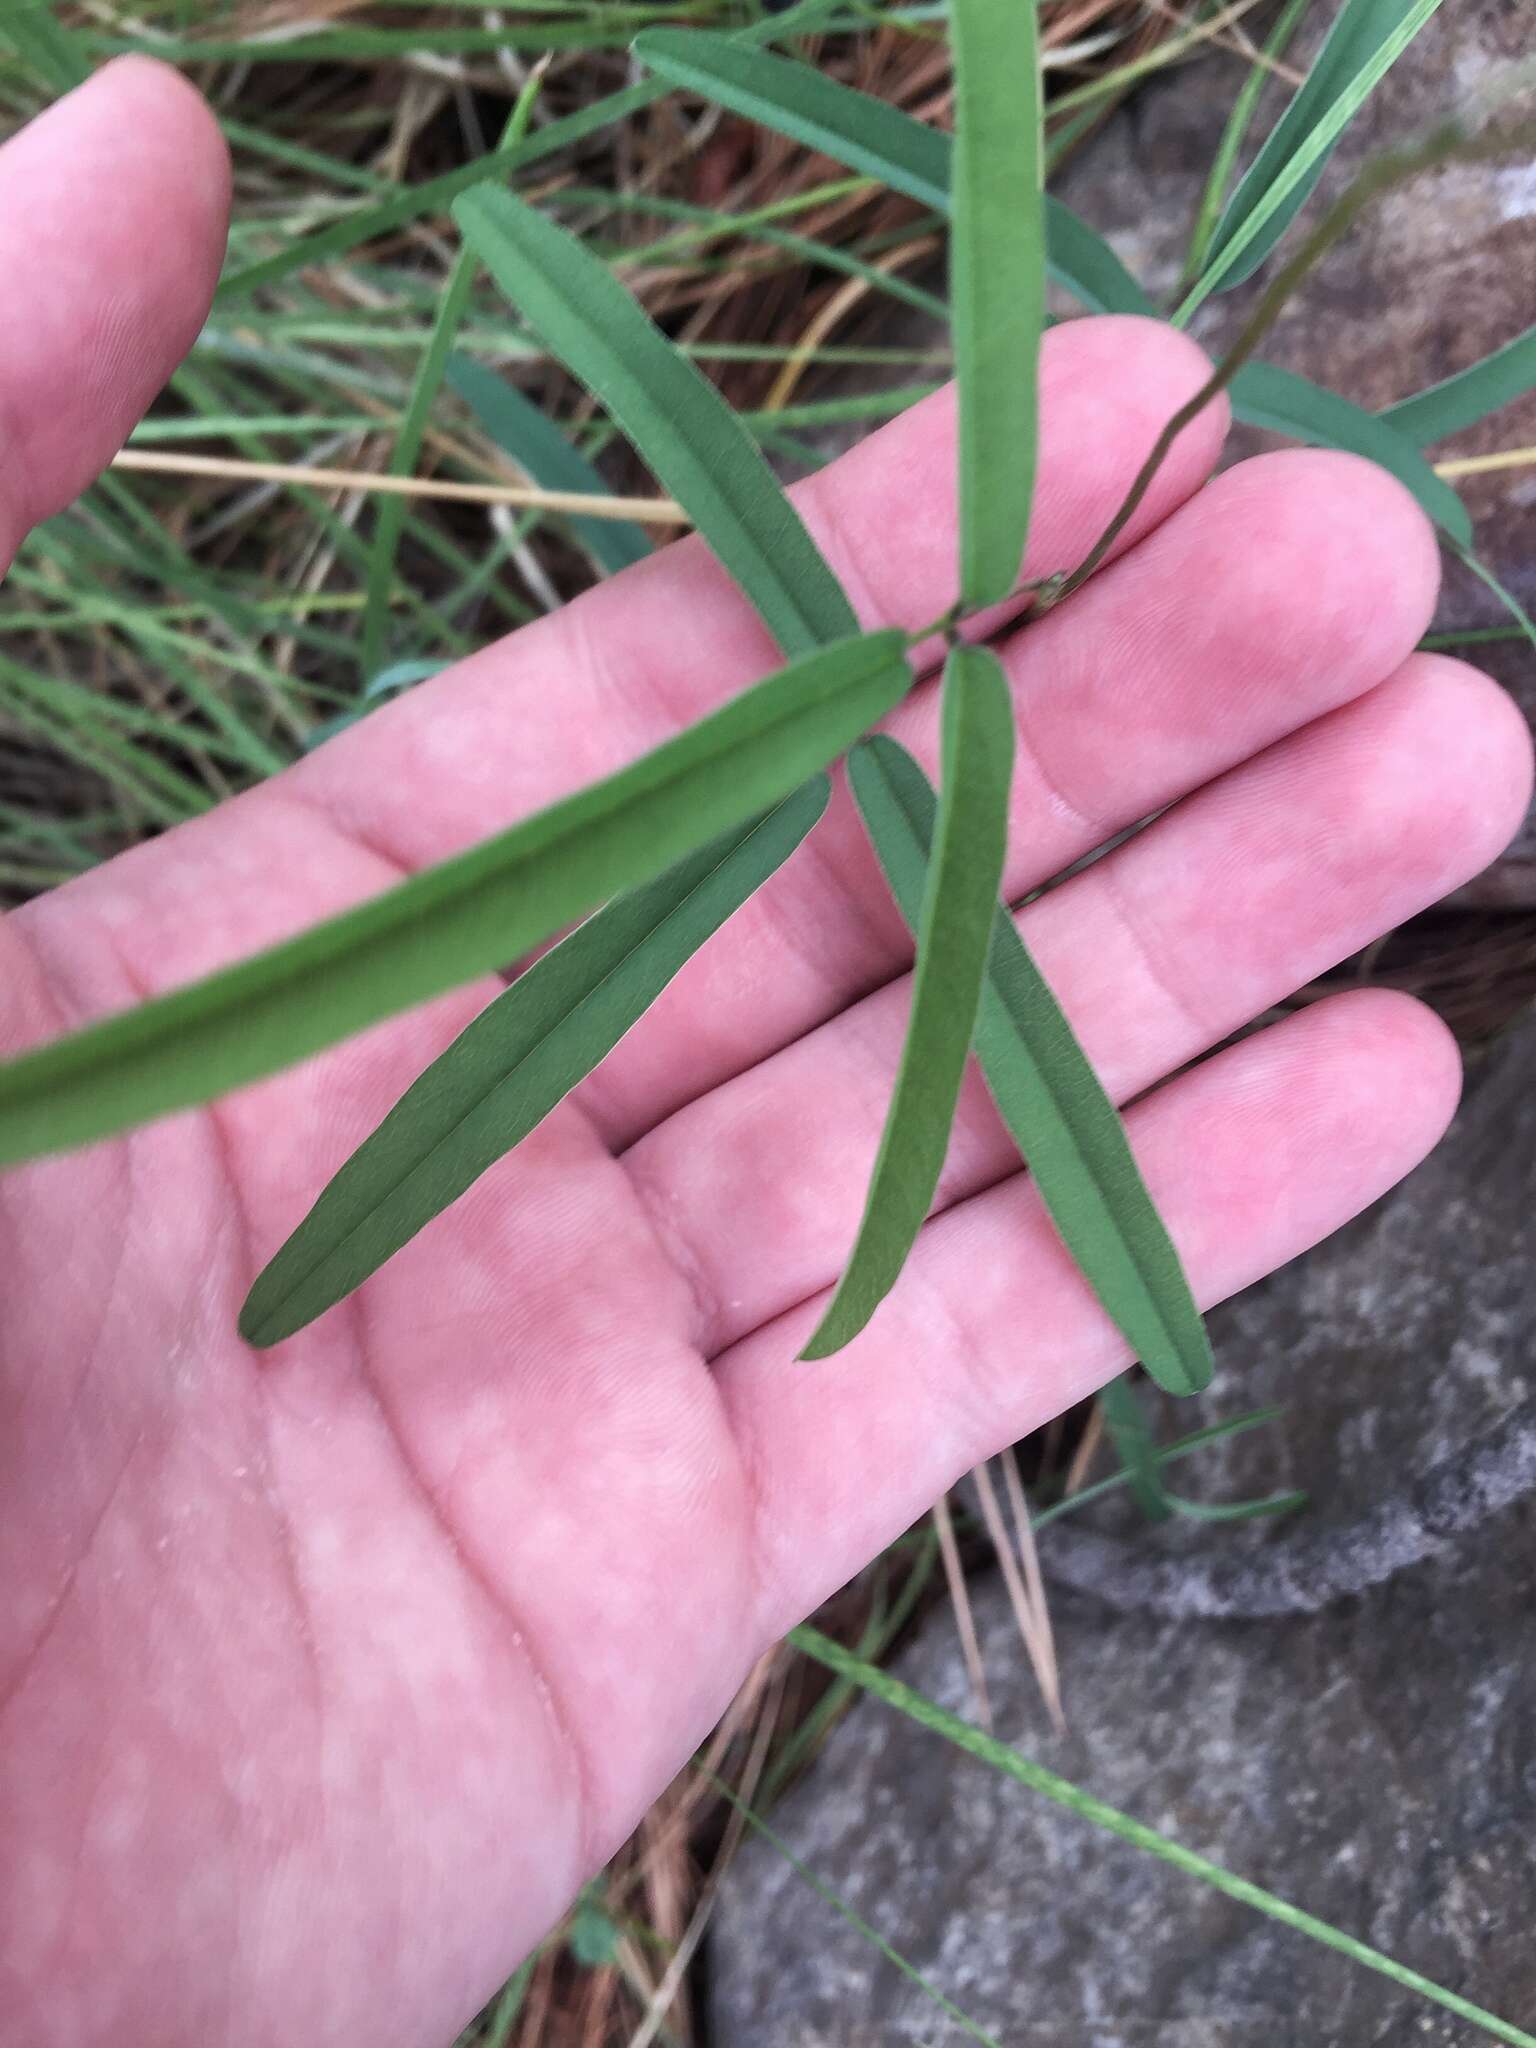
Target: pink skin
x,y
326,1676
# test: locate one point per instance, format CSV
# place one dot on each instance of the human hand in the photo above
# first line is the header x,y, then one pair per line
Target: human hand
x,y
327,1676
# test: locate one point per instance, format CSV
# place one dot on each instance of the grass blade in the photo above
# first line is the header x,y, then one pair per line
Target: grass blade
x,y
1237,1510
856,129
1461,401
1182,1447
462,918
1051,1100
1501,591
537,446
523,1054
452,305
676,418
856,1921
1367,38
953,927
1266,396
432,195
997,285
45,44
927,1714
1235,133
796,100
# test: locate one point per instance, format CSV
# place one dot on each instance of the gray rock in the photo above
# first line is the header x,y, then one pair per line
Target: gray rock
x,y
1436,276
1374,1761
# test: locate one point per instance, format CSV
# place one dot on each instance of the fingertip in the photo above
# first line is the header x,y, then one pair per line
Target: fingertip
x,y
1361,515
1405,1075
1495,759
113,206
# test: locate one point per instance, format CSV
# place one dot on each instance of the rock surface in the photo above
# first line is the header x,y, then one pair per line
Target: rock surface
x,y
1440,273
1374,1762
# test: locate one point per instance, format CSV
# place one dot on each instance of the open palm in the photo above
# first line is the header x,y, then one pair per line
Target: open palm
x,y
327,1675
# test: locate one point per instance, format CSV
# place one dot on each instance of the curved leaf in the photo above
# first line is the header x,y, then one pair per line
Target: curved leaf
x,y
997,284
1461,401
1051,1100
1366,40
462,918
536,444
523,1054
432,195
675,417
856,129
1266,396
953,928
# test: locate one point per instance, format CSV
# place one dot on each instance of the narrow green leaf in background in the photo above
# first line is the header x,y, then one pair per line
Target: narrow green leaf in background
x,y
953,927
1266,396
432,195
43,42
1135,1447
796,100
536,445
1461,401
868,135
677,419
524,1053
1233,135
997,285
465,917
1063,1123
1501,591
452,305
1367,38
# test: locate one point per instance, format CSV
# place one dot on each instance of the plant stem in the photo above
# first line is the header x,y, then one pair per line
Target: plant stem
x,y
1063,1793
1447,144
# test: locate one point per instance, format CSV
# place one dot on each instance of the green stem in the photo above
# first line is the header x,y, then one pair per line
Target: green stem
x,y
1061,1792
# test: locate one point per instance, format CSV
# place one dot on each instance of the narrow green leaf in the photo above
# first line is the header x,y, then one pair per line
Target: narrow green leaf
x,y
840,1906
868,135
454,921
1051,1100
1367,38
953,926
1233,135
1062,1792
1266,396
676,418
1135,1447
452,305
1501,591
1082,263
43,42
432,195
796,100
997,285
1285,1503
536,445
523,1054
1461,401
1182,1447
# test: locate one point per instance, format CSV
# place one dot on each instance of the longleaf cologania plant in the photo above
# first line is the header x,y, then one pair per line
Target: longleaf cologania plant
x,y
658,856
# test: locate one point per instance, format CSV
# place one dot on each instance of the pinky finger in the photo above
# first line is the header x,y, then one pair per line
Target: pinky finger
x,y
1252,1158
